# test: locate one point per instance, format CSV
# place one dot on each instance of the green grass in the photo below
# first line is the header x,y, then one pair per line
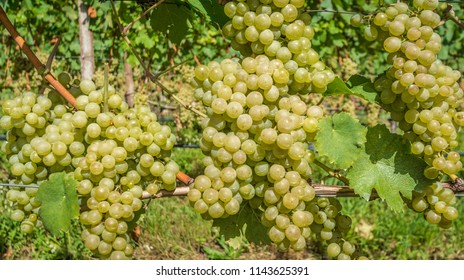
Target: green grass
x,y
189,160
389,235
172,230
39,245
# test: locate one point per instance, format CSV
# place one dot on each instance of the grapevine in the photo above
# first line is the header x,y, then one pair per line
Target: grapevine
x,y
258,127
261,137
423,95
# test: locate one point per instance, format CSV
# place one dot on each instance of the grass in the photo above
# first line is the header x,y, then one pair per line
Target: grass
x,y
384,234
39,245
172,230
189,160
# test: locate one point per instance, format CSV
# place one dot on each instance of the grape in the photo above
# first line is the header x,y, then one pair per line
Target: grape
x,y
415,82
258,125
333,250
112,171
436,204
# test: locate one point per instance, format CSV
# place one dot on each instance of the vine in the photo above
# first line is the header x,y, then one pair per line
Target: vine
x,y
256,131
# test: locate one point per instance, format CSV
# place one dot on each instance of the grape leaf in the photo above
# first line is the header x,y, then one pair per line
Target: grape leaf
x,y
246,224
362,87
59,202
356,85
388,167
341,139
211,10
145,40
172,19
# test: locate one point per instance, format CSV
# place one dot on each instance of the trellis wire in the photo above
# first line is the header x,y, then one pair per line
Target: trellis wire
x,y
323,193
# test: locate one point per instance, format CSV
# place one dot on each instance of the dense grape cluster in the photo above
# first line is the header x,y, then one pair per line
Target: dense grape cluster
x,y
115,153
421,93
258,127
29,152
436,203
281,31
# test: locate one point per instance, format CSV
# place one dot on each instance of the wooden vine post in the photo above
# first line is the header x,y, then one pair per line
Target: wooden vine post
x,y
86,42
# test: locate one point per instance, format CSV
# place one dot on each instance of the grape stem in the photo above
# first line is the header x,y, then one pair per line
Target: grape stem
x,y
330,11
39,66
52,55
449,14
332,173
105,89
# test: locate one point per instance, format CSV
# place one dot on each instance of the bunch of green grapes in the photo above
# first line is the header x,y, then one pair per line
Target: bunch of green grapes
x,y
348,68
421,93
279,30
25,118
123,153
373,114
115,154
436,202
257,129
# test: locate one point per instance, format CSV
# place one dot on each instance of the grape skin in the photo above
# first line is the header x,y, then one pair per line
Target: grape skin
x,y
112,172
415,85
267,166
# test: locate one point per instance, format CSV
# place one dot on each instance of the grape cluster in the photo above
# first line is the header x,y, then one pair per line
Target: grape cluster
x,y
115,153
279,30
29,152
348,68
436,203
421,93
257,129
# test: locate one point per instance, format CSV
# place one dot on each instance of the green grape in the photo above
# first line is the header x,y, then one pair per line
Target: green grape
x,y
356,20
259,125
333,250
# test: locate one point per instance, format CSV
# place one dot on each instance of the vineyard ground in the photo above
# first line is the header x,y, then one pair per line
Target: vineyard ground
x,y
171,230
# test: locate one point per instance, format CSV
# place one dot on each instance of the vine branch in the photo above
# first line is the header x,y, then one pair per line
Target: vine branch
x,y
321,190
151,76
449,14
39,66
332,173
126,28
331,11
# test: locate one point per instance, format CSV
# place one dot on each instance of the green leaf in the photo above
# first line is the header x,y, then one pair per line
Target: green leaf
x,y
341,139
145,40
388,167
246,224
172,20
211,10
337,87
356,85
59,202
363,87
